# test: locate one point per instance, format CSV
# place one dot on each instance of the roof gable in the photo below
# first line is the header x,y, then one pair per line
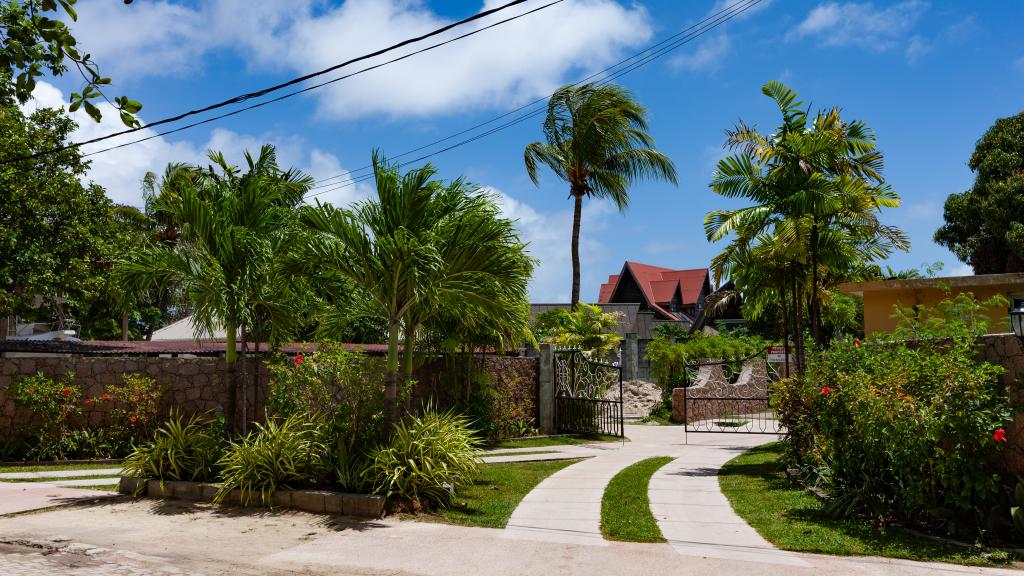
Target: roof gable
x,y
658,286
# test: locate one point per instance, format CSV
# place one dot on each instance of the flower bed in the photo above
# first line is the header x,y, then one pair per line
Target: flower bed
x,y
314,501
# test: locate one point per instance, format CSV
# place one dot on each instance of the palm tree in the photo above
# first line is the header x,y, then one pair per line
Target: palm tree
x,y
421,250
229,228
817,180
597,141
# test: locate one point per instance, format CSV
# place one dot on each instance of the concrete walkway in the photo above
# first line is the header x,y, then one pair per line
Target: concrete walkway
x,y
26,496
692,513
59,474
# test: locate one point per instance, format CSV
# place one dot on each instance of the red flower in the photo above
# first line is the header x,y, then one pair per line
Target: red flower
x,y
89,402
106,396
65,391
30,390
825,391
298,359
133,419
856,342
999,435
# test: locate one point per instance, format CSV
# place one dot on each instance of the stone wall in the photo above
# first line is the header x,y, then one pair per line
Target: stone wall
x,y
747,395
201,384
194,384
516,380
1007,351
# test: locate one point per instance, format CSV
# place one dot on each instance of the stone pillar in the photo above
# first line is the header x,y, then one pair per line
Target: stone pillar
x,y
630,357
546,401
678,405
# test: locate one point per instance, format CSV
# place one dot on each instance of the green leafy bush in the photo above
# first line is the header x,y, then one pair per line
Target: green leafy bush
x,y
135,404
183,448
671,361
903,427
587,328
53,402
427,460
283,454
341,391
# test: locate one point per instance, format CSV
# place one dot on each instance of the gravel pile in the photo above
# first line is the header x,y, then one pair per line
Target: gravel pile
x,y
638,396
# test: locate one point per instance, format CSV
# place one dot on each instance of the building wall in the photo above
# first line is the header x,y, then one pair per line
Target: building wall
x,y
879,304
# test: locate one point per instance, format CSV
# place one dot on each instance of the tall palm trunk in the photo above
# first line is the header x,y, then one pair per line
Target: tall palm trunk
x,y
798,327
785,327
230,356
391,379
577,213
814,302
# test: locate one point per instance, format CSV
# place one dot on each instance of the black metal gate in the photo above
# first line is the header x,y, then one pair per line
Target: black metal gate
x,y
582,390
729,396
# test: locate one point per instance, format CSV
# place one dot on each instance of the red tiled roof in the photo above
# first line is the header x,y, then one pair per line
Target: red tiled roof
x,y
659,284
607,288
156,347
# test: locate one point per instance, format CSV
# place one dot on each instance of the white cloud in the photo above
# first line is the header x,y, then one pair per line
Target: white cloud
x,y
506,65
962,270
917,48
549,235
861,24
708,55
1018,64
121,172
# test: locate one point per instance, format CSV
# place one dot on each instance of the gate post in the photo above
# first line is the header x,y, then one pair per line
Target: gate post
x,y
546,390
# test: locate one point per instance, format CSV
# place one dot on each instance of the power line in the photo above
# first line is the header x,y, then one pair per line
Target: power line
x,y
669,44
265,91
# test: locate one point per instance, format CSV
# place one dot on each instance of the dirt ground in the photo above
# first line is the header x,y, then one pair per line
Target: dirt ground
x,y
117,536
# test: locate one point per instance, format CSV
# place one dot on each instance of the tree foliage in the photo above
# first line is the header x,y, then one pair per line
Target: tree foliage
x,y
34,41
587,328
984,226
56,233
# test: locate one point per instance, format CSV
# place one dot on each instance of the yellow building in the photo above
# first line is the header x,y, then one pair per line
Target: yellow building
x,y
881,295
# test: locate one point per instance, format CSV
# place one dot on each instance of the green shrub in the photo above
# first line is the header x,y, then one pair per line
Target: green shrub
x,y
672,362
283,454
183,448
135,404
902,427
53,402
427,460
344,393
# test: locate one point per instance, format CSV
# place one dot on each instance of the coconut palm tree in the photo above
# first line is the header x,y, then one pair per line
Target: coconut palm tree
x,y
818,180
596,140
422,249
230,224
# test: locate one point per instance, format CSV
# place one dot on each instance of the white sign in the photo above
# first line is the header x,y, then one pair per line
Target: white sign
x,y
778,354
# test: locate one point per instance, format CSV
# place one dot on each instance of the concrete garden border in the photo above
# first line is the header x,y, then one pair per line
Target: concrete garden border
x,y
314,501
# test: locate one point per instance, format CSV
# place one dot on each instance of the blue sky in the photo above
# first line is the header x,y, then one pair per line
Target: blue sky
x,y
928,76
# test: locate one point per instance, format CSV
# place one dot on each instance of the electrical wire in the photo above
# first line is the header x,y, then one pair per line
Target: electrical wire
x,y
265,91
642,59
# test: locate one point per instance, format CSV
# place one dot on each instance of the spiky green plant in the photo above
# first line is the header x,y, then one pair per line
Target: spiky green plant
x,y
183,448
283,454
428,459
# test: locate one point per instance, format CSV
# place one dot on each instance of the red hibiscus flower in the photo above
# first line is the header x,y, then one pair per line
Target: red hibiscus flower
x,y
30,390
856,342
106,396
133,419
999,435
298,359
825,391
65,391
89,402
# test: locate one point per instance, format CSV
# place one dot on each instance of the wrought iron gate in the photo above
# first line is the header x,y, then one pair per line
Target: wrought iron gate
x,y
582,390
734,397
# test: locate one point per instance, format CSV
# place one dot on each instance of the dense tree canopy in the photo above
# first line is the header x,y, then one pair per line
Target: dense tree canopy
x,y
56,233
985,225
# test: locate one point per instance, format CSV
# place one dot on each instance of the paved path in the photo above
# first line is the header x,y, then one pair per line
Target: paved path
x,y
26,496
693,514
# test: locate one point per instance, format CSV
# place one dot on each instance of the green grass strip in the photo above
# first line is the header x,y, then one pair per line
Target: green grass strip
x,y
625,509
523,453
490,501
554,441
55,468
791,517
55,479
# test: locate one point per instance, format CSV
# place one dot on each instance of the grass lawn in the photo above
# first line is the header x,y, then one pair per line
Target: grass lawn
x,y
489,502
554,441
791,517
524,453
625,509
53,479
58,468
